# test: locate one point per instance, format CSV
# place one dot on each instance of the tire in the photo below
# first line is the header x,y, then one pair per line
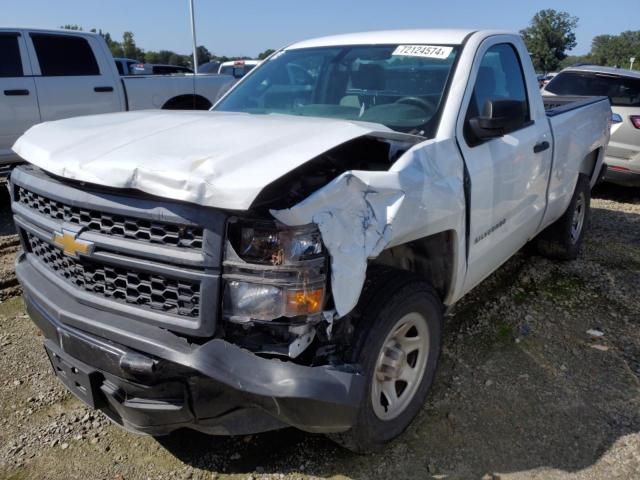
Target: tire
x,y
397,311
563,239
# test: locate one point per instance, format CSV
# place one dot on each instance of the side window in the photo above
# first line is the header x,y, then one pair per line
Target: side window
x,y
10,61
500,77
60,55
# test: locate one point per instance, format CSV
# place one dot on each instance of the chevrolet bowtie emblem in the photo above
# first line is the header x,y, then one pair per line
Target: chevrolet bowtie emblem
x,y
71,245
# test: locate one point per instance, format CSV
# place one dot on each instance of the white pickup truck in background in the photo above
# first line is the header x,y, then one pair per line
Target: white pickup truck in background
x,y
52,74
286,259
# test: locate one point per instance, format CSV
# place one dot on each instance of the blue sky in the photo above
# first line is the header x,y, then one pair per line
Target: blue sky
x,y
246,27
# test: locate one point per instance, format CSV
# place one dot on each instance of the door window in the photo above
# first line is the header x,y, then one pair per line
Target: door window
x,y
60,55
10,61
500,77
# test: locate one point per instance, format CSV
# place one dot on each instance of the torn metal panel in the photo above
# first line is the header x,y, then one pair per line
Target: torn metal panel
x,y
215,159
361,213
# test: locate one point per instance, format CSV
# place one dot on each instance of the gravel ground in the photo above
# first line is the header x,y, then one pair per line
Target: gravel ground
x,y
523,392
8,247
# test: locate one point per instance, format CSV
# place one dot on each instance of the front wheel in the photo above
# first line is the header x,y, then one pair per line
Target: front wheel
x,y
562,240
397,343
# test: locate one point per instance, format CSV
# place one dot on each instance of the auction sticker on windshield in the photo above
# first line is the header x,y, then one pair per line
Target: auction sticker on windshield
x,y
427,51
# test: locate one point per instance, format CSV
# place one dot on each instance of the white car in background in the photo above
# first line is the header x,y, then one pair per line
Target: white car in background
x,y
125,65
53,74
623,89
237,68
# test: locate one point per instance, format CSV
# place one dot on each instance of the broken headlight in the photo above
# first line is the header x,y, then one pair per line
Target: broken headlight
x,y
268,245
273,271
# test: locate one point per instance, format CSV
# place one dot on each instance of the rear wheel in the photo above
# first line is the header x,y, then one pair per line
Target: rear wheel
x,y
397,343
563,239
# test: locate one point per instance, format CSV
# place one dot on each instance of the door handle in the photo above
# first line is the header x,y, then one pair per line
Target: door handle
x,y
541,147
16,93
103,89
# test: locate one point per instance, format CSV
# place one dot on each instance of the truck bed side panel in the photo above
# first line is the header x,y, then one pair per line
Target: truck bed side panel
x,y
151,91
576,133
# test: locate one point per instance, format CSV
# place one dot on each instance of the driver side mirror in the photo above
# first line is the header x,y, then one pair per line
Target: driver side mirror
x,y
498,118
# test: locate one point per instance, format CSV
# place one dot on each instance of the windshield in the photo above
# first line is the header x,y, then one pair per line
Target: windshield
x,y
400,86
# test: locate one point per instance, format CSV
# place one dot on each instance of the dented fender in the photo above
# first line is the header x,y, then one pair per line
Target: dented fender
x,y
361,213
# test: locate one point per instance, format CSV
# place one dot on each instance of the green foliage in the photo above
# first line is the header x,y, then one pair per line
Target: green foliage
x,y
129,48
72,27
548,37
573,60
615,50
266,53
203,54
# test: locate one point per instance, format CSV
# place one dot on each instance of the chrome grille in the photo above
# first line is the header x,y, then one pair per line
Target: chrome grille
x,y
169,234
125,285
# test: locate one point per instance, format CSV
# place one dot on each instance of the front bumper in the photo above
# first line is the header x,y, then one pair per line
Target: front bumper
x,y
152,381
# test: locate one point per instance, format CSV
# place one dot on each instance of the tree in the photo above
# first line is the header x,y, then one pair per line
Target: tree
x,y
72,27
129,48
175,59
168,57
615,50
548,37
203,54
266,53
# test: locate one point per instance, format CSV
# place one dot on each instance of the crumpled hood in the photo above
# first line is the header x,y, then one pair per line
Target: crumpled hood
x,y
215,159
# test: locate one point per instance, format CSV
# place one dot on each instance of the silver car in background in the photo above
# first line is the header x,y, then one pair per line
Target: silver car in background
x,y
623,89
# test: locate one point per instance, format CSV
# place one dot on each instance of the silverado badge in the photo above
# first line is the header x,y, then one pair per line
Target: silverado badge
x,y
71,245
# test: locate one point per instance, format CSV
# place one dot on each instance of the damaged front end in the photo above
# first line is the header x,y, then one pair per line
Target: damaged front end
x,y
278,297
240,362
275,288
272,278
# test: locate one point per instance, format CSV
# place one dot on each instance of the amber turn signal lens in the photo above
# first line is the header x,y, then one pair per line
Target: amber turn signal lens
x,y
305,302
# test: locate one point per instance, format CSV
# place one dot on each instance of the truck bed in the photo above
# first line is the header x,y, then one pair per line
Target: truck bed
x,y
558,104
576,125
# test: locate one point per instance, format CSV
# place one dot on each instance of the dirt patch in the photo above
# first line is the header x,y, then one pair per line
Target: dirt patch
x,y
8,247
523,391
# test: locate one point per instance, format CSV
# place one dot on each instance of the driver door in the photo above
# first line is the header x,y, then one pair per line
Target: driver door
x,y
508,174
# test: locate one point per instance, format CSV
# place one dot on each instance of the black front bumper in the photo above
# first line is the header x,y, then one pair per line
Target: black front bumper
x,y
152,381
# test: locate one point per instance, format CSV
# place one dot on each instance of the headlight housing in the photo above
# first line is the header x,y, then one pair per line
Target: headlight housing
x,y
268,245
273,271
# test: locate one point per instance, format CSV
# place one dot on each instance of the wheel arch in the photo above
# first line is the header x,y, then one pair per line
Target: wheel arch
x,y
187,102
432,258
591,164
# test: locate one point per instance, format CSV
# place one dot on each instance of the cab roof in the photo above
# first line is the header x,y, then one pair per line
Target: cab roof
x,y
389,37
47,30
605,70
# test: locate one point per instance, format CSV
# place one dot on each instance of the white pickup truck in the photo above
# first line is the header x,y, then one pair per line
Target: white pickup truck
x,y
52,74
287,258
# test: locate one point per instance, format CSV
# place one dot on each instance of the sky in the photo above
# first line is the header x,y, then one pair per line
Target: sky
x,y
247,27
